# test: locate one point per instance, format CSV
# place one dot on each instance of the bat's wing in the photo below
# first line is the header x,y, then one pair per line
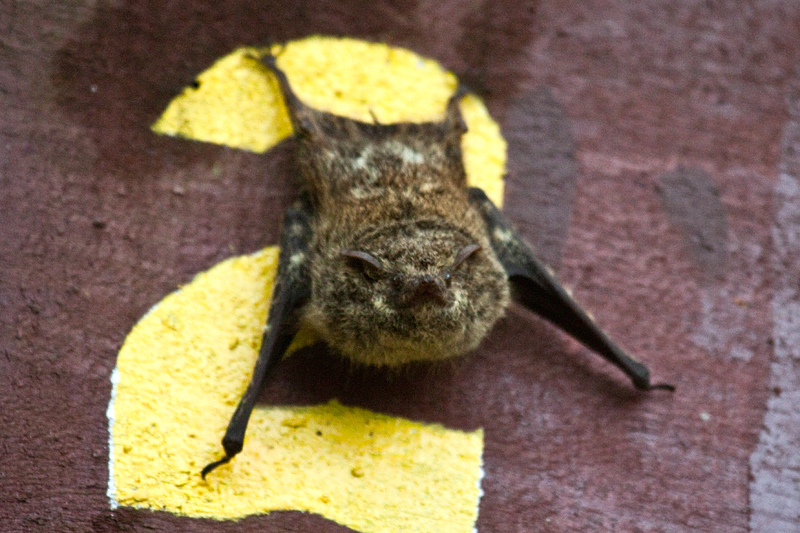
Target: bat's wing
x,y
292,290
537,289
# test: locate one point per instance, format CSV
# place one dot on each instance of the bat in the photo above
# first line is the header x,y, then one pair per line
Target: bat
x,y
391,258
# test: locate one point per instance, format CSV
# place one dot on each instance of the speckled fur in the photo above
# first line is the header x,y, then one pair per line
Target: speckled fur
x,y
397,192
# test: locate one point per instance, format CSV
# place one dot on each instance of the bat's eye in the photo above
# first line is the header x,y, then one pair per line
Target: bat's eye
x,y
367,264
464,254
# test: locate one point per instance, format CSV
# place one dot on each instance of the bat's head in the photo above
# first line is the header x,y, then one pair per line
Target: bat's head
x,y
409,291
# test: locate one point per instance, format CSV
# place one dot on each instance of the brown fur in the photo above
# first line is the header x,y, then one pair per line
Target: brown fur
x,y
398,194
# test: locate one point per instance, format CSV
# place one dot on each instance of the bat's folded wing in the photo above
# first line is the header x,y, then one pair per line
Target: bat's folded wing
x,y
292,290
536,288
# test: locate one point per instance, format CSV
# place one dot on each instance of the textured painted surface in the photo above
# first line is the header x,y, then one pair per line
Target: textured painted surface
x,y
99,218
179,376
691,198
543,171
775,463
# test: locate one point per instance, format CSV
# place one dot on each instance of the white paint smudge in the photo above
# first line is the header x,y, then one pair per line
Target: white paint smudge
x,y
775,463
111,492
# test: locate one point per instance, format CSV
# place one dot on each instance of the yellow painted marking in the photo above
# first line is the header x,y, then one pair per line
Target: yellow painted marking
x,y
181,372
238,103
184,366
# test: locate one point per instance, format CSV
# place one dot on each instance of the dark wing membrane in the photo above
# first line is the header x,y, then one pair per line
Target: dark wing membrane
x,y
537,289
292,290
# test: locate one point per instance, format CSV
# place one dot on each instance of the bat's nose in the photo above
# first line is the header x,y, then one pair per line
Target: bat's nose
x,y
421,290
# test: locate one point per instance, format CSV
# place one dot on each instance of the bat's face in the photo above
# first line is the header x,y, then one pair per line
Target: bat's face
x,y
414,290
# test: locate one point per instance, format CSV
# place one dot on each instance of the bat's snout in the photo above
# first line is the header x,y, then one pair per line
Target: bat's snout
x,y
421,290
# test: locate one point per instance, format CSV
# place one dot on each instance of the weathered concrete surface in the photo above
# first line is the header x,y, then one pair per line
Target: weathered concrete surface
x,y
99,219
